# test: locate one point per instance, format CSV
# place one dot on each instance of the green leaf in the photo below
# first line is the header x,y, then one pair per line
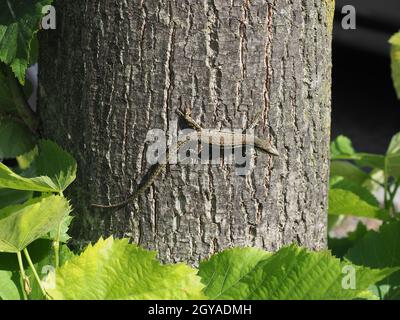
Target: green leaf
x,y
11,180
360,191
8,288
344,202
34,50
333,221
42,254
9,197
55,170
15,138
390,163
393,293
239,261
25,160
380,250
347,198
19,21
376,180
7,105
116,270
394,146
348,171
333,180
393,165
340,246
45,266
375,161
55,163
22,224
341,146
292,273
64,227
395,56
393,157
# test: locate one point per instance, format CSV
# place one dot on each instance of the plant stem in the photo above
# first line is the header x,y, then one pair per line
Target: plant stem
x,y
385,186
56,242
28,258
393,195
377,182
56,246
23,277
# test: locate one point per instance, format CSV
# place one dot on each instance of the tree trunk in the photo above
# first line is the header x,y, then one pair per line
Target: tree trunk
x,y
115,69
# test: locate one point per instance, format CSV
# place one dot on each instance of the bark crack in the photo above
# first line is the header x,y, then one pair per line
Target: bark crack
x,y
212,51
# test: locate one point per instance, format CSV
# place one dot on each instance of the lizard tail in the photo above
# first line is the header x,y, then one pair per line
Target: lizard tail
x,y
113,206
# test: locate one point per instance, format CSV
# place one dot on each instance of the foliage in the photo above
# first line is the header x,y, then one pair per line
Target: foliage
x,y
352,187
292,273
356,179
340,246
10,196
53,169
395,55
9,290
24,223
19,22
15,138
377,250
346,197
36,263
115,269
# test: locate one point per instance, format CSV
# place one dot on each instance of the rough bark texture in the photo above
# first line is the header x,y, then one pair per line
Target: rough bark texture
x,y
115,69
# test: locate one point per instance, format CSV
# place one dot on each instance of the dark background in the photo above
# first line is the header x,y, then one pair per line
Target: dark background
x,y
365,107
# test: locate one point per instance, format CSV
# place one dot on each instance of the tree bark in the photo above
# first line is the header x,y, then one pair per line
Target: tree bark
x,y
112,70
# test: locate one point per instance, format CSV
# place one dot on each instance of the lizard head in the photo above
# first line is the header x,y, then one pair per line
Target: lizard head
x,y
266,146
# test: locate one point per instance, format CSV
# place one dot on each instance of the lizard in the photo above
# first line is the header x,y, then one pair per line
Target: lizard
x,y
215,137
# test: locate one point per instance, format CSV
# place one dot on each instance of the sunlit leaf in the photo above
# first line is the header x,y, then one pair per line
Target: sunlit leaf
x,y
22,224
116,270
348,198
395,56
54,171
8,287
292,273
341,146
55,163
